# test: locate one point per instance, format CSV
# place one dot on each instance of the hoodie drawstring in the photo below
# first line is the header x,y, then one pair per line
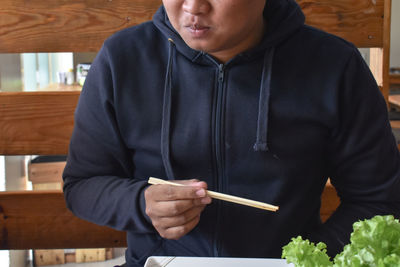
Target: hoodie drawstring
x,y
166,116
263,109
263,105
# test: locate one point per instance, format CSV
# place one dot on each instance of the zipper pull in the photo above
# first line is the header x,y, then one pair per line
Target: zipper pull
x,y
221,73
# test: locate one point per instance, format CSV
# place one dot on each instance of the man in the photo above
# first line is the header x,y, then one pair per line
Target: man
x,y
241,98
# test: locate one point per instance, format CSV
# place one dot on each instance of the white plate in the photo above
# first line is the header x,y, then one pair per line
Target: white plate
x,y
157,261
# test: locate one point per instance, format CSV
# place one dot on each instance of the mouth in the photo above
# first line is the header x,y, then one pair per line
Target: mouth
x,y
197,30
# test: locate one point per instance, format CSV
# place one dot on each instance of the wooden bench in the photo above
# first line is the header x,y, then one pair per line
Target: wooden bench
x,y
40,220
41,123
394,79
394,99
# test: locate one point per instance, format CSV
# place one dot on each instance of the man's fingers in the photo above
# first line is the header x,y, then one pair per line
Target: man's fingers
x,y
172,192
169,208
191,182
177,232
202,201
175,210
182,219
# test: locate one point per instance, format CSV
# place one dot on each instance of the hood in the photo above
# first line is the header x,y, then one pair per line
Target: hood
x,y
283,18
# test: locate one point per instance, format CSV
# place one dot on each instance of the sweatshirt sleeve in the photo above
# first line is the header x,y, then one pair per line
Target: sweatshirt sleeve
x,y
98,179
363,157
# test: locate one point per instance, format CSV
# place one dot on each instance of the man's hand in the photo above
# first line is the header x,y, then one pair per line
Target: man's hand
x,y
175,210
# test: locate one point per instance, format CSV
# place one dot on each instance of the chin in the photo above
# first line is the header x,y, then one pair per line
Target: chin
x,y
200,47
197,44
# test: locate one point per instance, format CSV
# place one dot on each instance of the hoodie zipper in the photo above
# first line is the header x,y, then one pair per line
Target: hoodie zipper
x,y
218,150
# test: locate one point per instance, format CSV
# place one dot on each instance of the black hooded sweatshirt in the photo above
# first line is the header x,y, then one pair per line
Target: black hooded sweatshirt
x,y
272,125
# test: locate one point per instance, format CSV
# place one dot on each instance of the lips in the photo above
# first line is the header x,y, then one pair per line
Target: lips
x,y
197,27
197,31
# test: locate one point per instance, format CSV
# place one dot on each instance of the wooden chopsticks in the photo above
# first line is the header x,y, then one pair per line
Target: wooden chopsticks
x,y
225,197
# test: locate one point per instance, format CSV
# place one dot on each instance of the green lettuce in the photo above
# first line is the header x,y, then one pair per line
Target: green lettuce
x,y
303,253
373,243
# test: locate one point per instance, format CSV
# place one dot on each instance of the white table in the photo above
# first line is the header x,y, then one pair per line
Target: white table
x,y
214,262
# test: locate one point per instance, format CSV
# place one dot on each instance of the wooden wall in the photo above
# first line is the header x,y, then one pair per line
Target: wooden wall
x,y
36,123
82,25
67,25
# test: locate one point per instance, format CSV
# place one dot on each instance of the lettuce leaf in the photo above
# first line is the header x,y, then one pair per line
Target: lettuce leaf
x,y
373,243
303,253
